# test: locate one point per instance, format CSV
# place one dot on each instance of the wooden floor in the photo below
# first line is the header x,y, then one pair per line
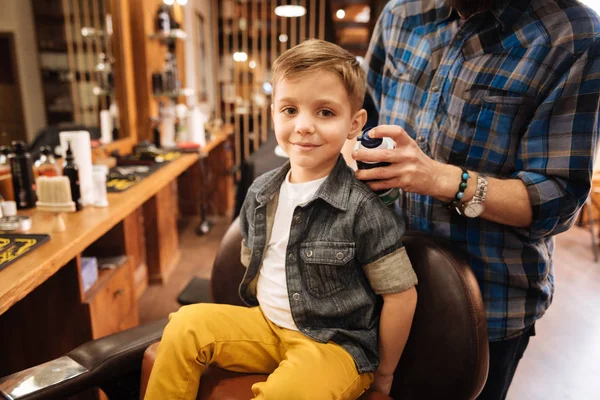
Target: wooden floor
x,y
562,361
197,256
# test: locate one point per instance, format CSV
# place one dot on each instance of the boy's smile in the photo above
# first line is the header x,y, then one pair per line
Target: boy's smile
x,y
313,118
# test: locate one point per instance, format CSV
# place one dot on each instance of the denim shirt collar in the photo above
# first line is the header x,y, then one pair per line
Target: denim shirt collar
x,y
335,190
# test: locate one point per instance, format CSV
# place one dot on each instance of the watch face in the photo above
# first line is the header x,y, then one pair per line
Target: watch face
x,y
474,210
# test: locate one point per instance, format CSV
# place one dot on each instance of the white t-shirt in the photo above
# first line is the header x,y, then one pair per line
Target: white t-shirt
x,y
271,289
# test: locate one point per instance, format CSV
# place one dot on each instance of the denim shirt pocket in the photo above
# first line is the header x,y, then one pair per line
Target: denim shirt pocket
x,y
325,266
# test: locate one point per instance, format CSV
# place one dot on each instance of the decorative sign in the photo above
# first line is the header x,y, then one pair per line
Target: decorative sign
x,y
15,245
126,175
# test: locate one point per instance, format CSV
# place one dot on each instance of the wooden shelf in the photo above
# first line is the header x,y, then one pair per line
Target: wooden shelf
x,y
101,92
175,94
173,34
90,33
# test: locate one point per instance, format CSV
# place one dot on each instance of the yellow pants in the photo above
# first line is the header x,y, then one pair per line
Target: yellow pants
x,y
241,339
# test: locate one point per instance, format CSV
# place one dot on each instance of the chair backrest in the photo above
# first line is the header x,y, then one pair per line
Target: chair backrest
x,y
446,355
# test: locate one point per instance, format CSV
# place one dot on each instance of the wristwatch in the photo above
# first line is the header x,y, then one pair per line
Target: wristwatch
x,y
475,207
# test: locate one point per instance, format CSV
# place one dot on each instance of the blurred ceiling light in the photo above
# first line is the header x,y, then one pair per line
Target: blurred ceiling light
x,y
283,38
364,15
240,56
252,64
182,2
290,10
169,2
340,14
267,88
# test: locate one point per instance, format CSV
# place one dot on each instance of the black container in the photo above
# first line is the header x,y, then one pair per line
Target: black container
x,y
156,136
21,168
157,83
163,20
71,170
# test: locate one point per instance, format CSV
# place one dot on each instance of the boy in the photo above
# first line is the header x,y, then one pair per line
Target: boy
x,y
318,248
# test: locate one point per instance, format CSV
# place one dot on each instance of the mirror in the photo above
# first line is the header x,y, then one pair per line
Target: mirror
x,y
58,69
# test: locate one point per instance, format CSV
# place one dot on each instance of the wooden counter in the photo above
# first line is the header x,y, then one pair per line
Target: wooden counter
x,y
44,309
83,228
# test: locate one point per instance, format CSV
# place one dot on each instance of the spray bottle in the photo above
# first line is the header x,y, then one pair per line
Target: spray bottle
x,y
388,196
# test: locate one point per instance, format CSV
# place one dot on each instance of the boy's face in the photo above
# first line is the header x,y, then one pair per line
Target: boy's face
x,y
313,118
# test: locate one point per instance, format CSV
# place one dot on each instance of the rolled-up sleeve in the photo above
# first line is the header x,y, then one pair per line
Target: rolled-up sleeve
x,y
384,260
557,152
392,273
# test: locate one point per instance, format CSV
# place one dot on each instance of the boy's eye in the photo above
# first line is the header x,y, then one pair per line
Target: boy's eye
x,y
289,111
326,113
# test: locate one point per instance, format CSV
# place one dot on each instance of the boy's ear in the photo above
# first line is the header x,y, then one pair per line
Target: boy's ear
x,y
358,121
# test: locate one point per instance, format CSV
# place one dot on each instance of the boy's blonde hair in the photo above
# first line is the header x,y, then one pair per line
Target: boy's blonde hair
x,y
313,55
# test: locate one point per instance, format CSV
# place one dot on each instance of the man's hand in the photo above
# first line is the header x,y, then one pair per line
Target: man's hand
x,y
410,169
382,383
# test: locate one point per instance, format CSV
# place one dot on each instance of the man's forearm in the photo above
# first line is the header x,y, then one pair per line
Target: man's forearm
x,y
394,327
507,200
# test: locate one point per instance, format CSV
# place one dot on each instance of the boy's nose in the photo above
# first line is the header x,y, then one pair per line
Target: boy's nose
x,y
304,125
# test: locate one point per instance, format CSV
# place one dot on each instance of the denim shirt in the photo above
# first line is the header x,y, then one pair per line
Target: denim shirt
x,y
344,250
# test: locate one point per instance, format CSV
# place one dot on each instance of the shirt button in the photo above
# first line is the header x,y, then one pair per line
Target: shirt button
x,y
298,219
296,296
292,257
339,255
309,253
421,139
260,217
435,88
257,252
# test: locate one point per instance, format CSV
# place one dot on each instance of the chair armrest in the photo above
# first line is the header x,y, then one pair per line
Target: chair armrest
x,y
112,363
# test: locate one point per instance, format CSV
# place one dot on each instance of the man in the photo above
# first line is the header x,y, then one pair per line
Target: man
x,y
493,105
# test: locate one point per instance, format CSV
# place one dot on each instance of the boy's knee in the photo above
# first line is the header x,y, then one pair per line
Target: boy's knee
x,y
194,316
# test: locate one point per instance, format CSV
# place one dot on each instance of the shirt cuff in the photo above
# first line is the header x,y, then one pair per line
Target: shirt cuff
x,y
547,199
392,273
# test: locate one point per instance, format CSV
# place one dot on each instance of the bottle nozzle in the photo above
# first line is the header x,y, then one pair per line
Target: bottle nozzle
x,y
368,141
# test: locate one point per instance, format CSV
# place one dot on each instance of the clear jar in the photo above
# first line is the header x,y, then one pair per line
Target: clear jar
x,y
46,165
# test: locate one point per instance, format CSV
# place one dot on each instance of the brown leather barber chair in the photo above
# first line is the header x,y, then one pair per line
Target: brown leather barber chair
x,y
446,356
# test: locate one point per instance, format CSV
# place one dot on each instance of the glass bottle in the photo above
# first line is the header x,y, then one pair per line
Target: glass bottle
x,y
104,74
169,73
46,165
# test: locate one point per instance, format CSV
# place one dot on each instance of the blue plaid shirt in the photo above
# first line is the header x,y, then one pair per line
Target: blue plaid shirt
x,y
511,93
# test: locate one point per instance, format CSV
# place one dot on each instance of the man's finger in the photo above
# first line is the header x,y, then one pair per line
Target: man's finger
x,y
375,155
380,173
395,132
383,184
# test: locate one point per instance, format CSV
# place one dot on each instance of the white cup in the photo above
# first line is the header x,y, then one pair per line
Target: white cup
x,y
9,208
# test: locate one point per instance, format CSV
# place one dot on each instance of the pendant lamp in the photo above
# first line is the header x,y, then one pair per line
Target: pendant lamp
x,y
290,9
